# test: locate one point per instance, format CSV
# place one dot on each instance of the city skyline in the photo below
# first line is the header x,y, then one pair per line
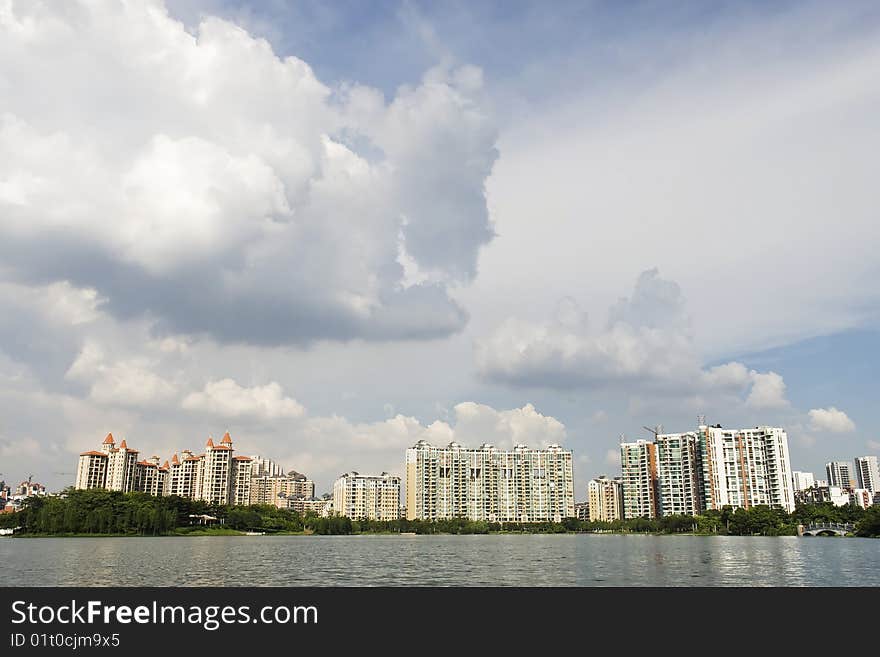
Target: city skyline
x,y
669,457
340,230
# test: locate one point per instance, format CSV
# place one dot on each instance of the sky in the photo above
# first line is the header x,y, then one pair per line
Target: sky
x,y
334,229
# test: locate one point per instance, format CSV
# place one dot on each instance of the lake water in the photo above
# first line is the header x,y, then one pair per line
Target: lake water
x,y
494,560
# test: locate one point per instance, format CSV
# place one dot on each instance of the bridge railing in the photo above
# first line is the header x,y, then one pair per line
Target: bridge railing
x,y
830,525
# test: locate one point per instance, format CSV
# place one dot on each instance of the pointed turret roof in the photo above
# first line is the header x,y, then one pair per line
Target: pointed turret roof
x,y
123,445
174,459
210,442
109,439
165,465
226,439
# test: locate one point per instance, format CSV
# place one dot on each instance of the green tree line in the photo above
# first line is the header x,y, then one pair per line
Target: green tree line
x,y
137,514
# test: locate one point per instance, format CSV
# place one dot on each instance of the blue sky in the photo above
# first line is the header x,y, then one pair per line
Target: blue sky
x,y
336,228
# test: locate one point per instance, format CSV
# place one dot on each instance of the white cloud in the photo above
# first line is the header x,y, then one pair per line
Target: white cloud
x,y
334,444
227,398
478,423
187,174
768,391
649,163
646,344
129,382
830,420
873,444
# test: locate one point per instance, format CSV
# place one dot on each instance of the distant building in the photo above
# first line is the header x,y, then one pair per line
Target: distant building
x,y
582,510
362,497
839,474
821,494
861,497
150,477
217,476
304,505
802,480
266,489
605,499
26,489
638,464
678,474
489,484
867,473
112,467
264,467
745,468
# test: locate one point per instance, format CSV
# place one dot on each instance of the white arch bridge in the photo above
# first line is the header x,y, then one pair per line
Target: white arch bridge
x,y
826,529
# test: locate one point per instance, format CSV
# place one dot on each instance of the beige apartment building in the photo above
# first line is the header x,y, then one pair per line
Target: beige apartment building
x,y
267,489
605,499
360,496
217,476
518,485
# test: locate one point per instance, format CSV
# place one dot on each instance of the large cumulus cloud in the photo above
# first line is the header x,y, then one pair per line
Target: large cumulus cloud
x,y
646,345
205,182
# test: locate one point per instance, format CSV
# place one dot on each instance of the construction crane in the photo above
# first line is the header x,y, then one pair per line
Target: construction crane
x,y
656,430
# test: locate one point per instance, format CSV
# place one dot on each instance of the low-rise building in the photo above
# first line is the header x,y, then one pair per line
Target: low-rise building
x,y
304,505
820,494
861,497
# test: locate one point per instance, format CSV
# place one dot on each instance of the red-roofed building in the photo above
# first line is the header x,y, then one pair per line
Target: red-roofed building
x,y
217,476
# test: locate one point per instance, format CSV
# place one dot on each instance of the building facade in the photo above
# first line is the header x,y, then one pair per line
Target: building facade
x,y
605,499
745,467
839,474
819,494
679,490
266,489
638,466
489,484
217,476
867,473
861,497
362,497
802,480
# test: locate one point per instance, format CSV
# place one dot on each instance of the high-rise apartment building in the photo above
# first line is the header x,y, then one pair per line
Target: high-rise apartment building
x,y
839,474
113,468
185,475
121,464
638,465
360,496
489,484
150,477
605,499
867,473
745,467
267,489
217,476
265,467
91,471
679,490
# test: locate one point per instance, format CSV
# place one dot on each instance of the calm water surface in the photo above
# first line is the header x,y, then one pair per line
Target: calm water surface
x,y
499,560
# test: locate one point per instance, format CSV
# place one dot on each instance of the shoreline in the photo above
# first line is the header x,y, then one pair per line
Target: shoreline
x,y
235,533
